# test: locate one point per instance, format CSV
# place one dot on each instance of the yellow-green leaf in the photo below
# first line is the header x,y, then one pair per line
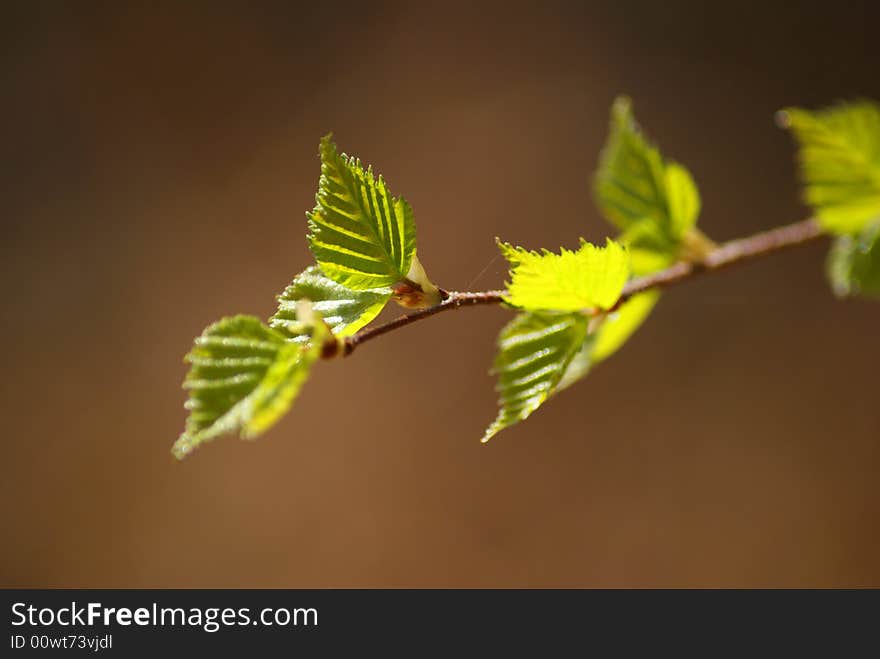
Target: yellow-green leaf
x,y
649,250
361,236
344,310
683,199
580,364
634,184
243,377
534,352
610,336
854,263
839,158
621,324
590,277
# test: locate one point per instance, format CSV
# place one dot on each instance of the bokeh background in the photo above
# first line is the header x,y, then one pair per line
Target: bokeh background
x,y
158,159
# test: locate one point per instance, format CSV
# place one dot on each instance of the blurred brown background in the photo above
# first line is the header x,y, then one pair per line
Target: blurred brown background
x,y
158,161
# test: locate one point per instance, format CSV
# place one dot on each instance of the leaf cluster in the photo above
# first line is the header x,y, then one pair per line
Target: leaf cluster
x,y
244,375
570,312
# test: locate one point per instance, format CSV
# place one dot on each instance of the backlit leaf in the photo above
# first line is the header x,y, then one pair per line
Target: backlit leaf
x,y
343,309
361,236
243,377
614,331
622,323
569,281
534,352
682,198
634,184
580,364
839,157
656,203
854,263
649,249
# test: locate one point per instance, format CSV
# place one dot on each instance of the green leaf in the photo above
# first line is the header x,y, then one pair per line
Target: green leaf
x,y
635,185
649,250
534,352
840,162
243,377
614,331
569,281
854,263
580,364
683,199
656,203
343,309
361,236
621,324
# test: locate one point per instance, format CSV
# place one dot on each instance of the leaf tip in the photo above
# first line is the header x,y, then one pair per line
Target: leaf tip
x,y
508,251
327,148
491,431
622,106
182,447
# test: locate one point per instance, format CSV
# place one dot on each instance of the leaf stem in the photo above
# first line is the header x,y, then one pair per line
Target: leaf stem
x,y
723,256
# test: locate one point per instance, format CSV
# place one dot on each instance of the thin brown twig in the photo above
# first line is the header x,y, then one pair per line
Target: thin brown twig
x,y
723,256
